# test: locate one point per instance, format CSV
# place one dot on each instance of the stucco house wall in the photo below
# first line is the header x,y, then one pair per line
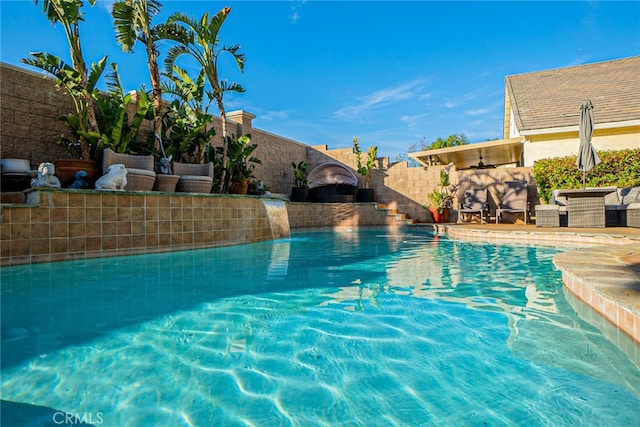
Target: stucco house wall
x,y
544,108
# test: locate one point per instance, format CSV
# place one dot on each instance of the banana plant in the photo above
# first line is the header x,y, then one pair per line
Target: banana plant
x,y
115,130
189,128
81,84
200,40
133,22
82,91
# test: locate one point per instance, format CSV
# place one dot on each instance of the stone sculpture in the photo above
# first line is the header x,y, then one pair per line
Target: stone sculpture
x,y
80,180
46,176
114,179
163,165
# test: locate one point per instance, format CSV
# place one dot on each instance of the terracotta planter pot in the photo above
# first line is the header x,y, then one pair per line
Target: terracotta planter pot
x,y
239,187
66,168
439,217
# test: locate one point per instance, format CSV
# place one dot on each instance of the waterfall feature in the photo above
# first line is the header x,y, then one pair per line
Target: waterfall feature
x,y
278,218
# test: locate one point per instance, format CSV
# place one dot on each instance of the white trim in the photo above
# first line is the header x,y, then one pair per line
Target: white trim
x,y
574,128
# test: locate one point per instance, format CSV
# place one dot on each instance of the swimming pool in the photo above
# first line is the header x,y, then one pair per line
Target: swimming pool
x,y
364,327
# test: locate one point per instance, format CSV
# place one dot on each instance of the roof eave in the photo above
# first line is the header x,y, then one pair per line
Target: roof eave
x,y
574,128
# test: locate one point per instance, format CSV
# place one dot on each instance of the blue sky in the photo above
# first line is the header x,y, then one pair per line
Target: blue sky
x,y
391,73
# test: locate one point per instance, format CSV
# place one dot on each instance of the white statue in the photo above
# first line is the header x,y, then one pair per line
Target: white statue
x,y
46,176
114,179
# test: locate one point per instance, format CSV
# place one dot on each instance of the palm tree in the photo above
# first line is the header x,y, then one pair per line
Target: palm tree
x,y
202,43
76,78
68,13
133,22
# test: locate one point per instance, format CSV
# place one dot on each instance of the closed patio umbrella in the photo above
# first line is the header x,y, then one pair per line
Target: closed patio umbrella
x,y
587,156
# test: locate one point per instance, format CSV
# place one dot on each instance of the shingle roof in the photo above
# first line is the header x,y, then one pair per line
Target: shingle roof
x,y
551,98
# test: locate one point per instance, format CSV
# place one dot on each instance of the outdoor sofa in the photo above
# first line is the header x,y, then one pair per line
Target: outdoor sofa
x,y
622,209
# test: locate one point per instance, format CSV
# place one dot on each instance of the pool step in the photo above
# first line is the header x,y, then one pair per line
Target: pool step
x,y
401,217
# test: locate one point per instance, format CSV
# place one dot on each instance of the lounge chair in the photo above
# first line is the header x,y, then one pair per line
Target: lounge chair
x,y
140,169
474,202
194,178
514,200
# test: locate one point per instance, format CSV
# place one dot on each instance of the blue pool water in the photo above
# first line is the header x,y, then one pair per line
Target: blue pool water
x,y
352,328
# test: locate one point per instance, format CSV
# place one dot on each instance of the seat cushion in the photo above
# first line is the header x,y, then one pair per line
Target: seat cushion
x,y
144,172
630,195
196,178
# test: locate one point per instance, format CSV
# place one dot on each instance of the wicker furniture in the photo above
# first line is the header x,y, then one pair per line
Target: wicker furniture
x,y
474,202
586,208
194,178
166,183
547,215
622,207
515,199
140,173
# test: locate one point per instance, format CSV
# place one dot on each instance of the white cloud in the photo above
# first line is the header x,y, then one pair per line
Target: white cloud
x,y
477,112
274,115
455,102
295,15
106,4
381,97
413,121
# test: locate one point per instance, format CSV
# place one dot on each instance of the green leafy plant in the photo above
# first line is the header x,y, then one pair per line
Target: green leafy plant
x,y
79,83
300,178
240,162
365,169
82,90
617,168
442,198
189,127
199,38
188,133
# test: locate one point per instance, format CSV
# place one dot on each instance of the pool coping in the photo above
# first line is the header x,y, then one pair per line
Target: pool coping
x,y
603,271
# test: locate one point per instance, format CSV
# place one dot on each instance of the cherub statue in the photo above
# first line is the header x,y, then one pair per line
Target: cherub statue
x,y
46,176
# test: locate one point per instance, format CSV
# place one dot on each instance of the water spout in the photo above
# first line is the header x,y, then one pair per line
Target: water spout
x,y
278,218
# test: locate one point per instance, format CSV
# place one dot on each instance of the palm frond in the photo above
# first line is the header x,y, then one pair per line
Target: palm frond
x,y
123,19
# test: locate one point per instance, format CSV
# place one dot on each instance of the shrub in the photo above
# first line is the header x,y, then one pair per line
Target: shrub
x,y
617,168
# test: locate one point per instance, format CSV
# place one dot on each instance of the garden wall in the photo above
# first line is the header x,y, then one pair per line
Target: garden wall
x,y
29,123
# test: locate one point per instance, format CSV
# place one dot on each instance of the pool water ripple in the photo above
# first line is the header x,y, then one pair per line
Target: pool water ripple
x,y
359,328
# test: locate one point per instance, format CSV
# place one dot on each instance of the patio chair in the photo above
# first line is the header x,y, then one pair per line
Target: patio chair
x,y
514,200
474,202
194,178
140,169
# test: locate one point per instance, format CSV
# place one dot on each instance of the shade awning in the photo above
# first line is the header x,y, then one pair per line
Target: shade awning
x,y
331,173
501,152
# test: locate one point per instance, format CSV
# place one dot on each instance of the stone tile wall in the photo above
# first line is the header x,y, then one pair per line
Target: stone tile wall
x,y
58,225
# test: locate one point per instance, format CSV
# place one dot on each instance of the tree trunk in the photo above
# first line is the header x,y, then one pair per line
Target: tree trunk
x,y
154,73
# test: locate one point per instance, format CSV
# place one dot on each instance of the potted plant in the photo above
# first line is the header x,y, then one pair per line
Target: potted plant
x,y
441,199
300,190
365,194
240,164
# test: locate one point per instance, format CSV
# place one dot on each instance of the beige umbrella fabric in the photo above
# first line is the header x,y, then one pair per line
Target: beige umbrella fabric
x,y
587,156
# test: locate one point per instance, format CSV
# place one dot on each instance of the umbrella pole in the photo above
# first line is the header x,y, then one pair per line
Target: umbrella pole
x,y
584,179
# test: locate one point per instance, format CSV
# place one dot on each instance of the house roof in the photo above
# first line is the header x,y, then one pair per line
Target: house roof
x,y
551,98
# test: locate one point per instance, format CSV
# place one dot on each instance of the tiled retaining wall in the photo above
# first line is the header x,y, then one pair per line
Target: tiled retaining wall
x,y
321,215
71,224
